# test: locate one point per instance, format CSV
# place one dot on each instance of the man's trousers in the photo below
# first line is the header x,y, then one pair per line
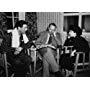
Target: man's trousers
x,y
49,62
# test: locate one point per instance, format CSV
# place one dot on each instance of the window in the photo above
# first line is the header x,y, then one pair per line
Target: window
x,y
70,20
81,19
86,23
12,17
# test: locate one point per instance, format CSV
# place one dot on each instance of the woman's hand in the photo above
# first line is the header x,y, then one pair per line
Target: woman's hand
x,y
73,53
18,50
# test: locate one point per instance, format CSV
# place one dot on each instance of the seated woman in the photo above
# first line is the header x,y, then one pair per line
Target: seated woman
x,y
78,43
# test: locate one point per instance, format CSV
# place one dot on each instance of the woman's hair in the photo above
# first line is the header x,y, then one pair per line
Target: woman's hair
x,y
20,23
53,24
76,29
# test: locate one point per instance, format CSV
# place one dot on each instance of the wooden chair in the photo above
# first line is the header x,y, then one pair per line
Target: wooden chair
x,y
34,55
68,49
77,63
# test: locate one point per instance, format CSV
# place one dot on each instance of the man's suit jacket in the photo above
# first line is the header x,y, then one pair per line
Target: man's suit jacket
x,y
43,39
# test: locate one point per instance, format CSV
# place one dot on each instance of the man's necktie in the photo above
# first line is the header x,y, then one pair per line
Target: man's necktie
x,y
50,39
21,40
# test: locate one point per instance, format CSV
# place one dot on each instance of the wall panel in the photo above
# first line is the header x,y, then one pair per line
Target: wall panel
x,y
44,18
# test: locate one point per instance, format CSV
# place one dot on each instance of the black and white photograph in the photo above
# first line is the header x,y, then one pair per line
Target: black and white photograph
x,y
44,44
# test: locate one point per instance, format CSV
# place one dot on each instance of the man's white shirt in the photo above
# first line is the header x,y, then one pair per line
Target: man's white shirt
x,y
16,38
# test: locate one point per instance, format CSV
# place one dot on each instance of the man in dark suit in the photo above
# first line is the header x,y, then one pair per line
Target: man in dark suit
x,y
20,43
49,40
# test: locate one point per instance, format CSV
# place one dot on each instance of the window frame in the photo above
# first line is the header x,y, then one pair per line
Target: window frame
x,y
13,17
80,14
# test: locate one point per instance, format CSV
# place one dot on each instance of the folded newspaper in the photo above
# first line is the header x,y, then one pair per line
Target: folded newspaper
x,y
45,45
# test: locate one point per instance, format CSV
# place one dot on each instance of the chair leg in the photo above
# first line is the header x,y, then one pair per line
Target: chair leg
x,y
83,60
30,68
76,64
34,67
6,67
58,56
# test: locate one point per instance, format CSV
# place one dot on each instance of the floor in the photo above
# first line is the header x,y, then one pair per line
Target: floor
x,y
85,73
79,74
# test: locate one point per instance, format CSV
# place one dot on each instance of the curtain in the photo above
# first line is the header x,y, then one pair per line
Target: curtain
x,y
31,18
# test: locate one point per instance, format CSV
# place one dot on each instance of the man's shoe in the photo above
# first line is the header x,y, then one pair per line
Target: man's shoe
x,y
58,74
